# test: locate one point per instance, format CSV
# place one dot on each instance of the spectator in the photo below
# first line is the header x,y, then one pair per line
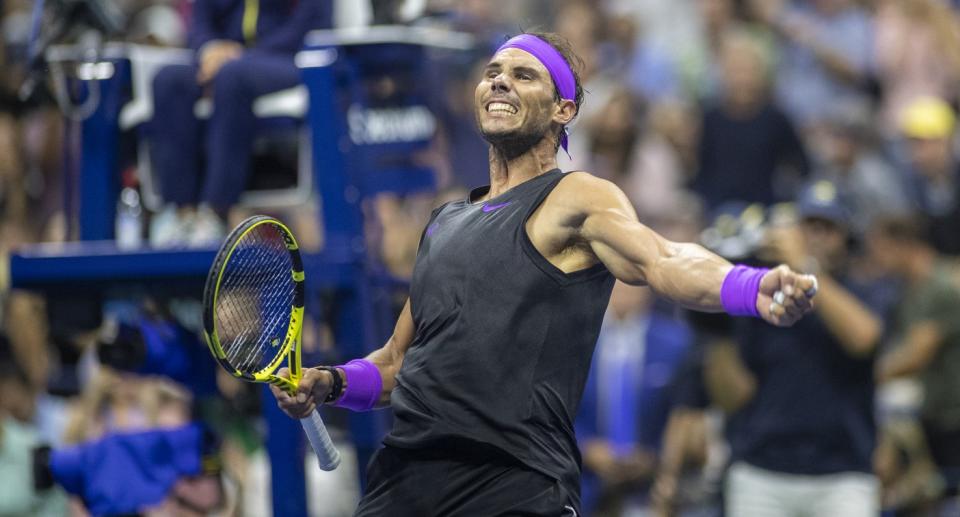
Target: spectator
x,y
662,162
929,126
30,136
801,426
698,64
18,437
917,54
584,23
624,407
746,140
651,73
667,26
925,335
613,131
693,456
244,50
845,156
825,56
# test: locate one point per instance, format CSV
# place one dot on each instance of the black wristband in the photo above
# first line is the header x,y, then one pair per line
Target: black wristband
x,y
337,389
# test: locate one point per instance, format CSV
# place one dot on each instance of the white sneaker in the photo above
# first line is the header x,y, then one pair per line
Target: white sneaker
x,y
207,230
168,228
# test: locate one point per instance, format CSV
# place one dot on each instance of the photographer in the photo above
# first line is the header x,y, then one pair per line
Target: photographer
x,y
925,346
800,399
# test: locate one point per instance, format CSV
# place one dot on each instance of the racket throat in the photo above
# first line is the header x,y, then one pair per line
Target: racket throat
x,y
287,385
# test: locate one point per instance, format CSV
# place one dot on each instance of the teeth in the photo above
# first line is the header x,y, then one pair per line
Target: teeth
x,y
501,106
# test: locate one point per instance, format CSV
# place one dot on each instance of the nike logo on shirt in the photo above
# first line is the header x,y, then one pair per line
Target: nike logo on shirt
x,y
491,208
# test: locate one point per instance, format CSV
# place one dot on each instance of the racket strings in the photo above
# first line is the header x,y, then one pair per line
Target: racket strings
x,y
267,312
262,311
255,299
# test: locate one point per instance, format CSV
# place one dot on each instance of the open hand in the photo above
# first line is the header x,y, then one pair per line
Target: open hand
x,y
785,296
312,390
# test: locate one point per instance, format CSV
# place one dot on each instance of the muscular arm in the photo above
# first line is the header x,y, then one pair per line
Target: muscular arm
x,y
316,384
685,273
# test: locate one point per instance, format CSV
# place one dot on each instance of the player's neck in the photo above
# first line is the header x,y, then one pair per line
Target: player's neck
x,y
507,173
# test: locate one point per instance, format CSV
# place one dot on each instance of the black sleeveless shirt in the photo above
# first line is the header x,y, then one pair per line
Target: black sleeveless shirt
x,y
503,338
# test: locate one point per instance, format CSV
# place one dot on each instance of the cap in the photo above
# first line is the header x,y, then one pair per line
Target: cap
x,y
823,200
927,118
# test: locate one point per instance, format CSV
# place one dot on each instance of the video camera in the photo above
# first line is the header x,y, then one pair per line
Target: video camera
x,y
738,230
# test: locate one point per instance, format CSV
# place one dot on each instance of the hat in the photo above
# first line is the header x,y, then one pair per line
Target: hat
x,y
822,199
927,118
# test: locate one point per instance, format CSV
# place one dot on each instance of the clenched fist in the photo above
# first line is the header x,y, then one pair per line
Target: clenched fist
x,y
311,392
785,296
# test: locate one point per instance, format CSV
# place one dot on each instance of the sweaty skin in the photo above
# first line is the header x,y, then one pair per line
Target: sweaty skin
x,y
584,220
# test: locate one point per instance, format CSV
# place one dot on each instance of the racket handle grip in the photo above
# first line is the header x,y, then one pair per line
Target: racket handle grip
x,y
327,454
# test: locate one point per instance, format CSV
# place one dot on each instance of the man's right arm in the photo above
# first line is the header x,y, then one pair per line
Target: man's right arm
x,y
316,384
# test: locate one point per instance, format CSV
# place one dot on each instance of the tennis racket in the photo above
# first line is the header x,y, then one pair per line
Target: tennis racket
x,y
253,314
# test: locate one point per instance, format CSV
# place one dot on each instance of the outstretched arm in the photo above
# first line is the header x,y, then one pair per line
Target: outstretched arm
x,y
684,273
316,384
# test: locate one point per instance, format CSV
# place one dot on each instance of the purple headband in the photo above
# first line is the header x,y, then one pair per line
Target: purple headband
x,y
559,70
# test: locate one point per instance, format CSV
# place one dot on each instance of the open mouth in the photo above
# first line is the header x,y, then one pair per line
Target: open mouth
x,y
501,107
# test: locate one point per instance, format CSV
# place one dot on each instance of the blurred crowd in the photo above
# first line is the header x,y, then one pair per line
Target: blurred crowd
x,y
817,133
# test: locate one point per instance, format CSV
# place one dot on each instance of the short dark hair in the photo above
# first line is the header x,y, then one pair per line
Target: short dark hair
x,y
574,61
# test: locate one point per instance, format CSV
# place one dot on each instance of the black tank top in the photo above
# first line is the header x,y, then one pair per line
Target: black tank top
x,y
503,338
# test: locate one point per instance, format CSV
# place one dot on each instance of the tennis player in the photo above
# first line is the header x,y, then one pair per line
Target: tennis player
x,y
488,360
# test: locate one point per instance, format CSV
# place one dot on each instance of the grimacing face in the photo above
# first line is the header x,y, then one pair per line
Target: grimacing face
x,y
514,103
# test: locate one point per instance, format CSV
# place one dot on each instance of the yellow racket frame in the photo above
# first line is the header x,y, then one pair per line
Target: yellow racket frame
x,y
291,341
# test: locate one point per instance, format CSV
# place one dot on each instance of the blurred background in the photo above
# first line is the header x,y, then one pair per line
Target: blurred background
x,y
817,133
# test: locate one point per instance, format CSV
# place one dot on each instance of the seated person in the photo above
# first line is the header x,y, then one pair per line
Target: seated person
x,y
245,49
624,406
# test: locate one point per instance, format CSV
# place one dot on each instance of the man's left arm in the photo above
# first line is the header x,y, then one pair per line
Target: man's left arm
x,y
684,273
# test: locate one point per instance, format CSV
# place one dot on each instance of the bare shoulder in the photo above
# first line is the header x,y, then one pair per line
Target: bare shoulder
x,y
585,193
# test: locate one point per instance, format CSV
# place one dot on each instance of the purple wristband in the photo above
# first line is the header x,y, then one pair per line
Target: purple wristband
x,y
364,385
738,294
